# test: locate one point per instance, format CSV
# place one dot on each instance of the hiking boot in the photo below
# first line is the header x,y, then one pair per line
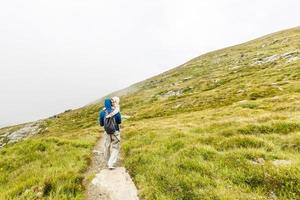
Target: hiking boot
x,y
111,167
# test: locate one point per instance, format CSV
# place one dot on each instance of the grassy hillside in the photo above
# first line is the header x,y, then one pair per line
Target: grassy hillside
x,y
217,127
197,131
50,165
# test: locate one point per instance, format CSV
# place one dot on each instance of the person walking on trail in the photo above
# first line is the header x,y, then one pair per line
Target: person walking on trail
x,y
110,119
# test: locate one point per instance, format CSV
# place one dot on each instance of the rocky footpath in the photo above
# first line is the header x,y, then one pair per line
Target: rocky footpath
x,y
108,184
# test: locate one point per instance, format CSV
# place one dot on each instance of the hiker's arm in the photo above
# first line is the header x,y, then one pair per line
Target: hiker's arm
x,y
114,112
118,118
101,118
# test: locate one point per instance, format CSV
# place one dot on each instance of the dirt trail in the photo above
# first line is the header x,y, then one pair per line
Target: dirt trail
x,y
108,184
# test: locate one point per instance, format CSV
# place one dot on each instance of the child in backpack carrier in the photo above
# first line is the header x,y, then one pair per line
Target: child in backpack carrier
x,y
115,105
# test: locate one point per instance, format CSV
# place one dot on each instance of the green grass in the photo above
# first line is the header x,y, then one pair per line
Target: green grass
x,y
52,163
201,143
205,158
228,111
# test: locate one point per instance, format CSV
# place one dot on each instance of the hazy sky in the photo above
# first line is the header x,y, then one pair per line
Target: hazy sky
x,y
61,54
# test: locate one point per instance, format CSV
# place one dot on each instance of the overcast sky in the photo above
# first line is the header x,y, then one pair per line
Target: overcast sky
x,y
61,54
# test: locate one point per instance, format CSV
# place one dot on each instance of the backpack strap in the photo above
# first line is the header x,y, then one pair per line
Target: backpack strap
x,y
116,138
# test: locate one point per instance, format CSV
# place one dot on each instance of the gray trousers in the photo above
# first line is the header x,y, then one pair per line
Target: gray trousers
x,y
112,148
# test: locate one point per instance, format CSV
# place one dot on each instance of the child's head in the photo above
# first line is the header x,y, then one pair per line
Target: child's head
x,y
115,101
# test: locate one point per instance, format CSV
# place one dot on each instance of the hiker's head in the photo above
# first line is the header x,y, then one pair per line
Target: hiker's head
x,y
115,101
107,104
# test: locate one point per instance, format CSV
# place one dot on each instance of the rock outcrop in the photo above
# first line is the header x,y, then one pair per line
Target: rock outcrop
x,y
16,135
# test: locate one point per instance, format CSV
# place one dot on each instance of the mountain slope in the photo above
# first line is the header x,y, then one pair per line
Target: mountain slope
x,y
212,118
224,125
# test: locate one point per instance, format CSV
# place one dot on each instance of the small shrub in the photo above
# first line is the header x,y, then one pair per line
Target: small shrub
x,y
40,147
48,187
249,105
278,127
255,95
242,142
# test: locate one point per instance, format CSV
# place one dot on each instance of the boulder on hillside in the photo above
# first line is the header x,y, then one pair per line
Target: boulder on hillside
x,y
24,132
281,162
290,56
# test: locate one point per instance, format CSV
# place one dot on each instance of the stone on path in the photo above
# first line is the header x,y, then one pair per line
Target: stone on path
x,y
117,183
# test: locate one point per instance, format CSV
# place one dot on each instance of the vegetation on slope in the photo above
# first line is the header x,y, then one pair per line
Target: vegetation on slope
x,y
211,154
197,131
50,165
209,129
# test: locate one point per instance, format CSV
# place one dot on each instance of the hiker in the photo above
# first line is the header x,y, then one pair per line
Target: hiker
x,y
116,106
111,131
